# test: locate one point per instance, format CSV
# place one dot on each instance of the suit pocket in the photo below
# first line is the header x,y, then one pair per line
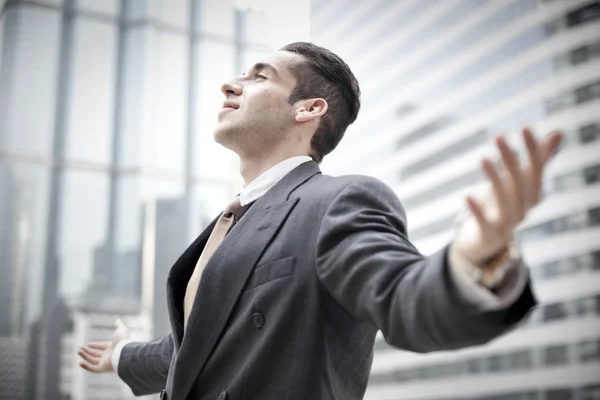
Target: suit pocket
x,y
271,270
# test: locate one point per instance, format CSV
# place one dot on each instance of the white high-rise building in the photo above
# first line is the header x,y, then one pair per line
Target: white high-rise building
x,y
439,80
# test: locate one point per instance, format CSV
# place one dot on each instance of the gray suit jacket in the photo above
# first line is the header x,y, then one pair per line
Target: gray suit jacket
x,y
289,305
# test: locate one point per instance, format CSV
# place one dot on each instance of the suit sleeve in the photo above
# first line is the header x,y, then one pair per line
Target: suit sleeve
x,y
366,262
144,366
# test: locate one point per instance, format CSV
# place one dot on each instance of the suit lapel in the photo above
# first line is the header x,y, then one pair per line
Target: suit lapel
x,y
226,273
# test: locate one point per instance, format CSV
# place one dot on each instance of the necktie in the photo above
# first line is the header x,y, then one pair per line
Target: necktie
x,y
224,223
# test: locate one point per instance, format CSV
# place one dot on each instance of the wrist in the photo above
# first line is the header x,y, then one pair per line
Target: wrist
x,y
490,271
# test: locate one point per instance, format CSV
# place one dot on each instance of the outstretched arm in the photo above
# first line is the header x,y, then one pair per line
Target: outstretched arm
x,y
367,263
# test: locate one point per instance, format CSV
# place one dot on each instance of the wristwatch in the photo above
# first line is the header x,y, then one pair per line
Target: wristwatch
x,y
492,271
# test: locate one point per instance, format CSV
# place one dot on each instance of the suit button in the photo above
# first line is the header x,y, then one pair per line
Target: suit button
x,y
163,395
222,396
258,320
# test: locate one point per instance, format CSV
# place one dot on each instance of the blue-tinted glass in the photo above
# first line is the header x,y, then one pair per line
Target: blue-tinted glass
x,y
23,225
91,118
171,90
28,78
83,229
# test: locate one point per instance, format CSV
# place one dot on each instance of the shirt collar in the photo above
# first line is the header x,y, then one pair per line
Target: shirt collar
x,y
265,181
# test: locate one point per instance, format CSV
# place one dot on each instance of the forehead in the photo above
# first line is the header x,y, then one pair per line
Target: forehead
x,y
281,60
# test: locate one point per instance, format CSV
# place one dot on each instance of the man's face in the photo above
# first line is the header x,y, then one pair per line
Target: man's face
x,y
256,113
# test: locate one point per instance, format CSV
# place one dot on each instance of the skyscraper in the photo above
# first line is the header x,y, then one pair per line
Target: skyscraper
x,y
106,115
439,80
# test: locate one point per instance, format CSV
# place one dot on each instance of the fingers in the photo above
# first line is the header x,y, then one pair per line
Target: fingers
x,y
87,355
536,166
93,353
516,203
478,213
551,145
88,367
500,193
99,345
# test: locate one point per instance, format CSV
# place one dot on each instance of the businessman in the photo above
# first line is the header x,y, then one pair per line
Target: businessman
x,y
282,295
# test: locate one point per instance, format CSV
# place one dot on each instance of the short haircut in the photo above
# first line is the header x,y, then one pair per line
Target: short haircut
x,y
323,74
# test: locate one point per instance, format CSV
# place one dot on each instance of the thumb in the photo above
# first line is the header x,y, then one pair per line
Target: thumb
x,y
121,330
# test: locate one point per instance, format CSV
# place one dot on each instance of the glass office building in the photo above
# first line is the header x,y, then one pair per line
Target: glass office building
x,y
439,80
108,168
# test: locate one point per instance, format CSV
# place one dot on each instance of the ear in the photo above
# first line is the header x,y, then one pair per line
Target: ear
x,y
310,109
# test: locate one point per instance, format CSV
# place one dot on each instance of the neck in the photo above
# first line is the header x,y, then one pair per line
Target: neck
x,y
251,167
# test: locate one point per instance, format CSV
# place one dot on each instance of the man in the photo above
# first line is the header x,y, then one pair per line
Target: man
x,y
281,296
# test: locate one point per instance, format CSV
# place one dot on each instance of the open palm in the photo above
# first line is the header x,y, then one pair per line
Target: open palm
x,y
97,355
515,189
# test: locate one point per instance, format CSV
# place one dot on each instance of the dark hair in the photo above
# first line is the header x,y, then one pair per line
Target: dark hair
x,y
324,74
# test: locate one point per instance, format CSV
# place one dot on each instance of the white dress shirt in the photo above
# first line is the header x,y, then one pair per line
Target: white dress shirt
x,y
505,292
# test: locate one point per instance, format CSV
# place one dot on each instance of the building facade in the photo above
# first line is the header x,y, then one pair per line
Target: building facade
x,y
439,80
108,168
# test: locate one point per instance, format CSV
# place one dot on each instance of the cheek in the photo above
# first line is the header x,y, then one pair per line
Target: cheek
x,y
268,100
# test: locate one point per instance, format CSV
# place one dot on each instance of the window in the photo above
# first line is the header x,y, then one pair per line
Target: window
x,y
474,366
596,260
589,133
90,119
585,53
85,199
594,216
555,355
32,90
110,7
494,363
23,234
583,15
590,393
587,93
518,360
589,351
575,221
592,174
170,133
552,312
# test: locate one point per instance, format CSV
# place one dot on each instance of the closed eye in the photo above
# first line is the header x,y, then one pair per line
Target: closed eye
x,y
261,76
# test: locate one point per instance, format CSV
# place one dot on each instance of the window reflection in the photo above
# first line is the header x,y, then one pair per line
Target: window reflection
x,y
170,132
31,90
23,225
90,124
81,246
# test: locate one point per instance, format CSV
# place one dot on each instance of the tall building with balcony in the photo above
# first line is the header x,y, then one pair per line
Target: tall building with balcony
x,y
439,80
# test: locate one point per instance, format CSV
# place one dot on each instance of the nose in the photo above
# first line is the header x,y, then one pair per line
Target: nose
x,y
231,88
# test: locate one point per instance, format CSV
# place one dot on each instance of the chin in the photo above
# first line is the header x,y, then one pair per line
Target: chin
x,y
224,135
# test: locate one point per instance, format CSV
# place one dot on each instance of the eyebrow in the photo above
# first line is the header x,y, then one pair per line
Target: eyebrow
x,y
262,66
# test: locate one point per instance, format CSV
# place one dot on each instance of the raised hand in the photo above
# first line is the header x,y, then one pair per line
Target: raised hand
x,y
97,355
514,190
